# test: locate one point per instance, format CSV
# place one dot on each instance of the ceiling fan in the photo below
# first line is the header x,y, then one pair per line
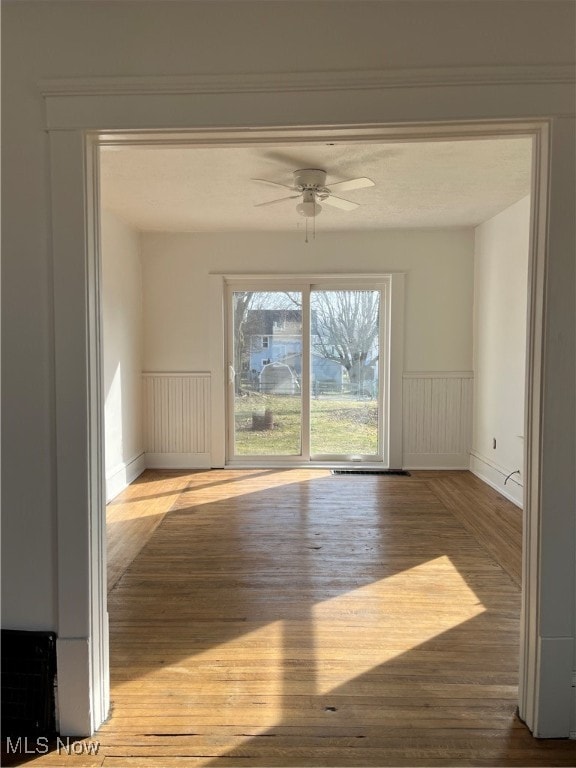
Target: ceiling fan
x,y
310,185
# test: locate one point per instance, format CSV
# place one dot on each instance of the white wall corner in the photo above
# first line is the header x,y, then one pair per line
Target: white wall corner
x,y
73,688
501,262
122,475
494,475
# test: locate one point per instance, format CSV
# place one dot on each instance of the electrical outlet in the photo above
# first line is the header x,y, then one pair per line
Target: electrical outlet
x,y
494,443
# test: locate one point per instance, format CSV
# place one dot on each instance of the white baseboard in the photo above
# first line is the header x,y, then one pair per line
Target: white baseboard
x,y
494,477
178,460
121,476
436,461
73,688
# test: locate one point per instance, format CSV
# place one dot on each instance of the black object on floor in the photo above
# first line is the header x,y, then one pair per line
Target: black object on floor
x,y
371,472
28,678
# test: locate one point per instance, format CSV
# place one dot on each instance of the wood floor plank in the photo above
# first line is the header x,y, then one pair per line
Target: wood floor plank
x,y
296,618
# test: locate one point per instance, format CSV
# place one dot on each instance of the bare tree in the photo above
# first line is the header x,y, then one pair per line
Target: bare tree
x,y
241,304
345,329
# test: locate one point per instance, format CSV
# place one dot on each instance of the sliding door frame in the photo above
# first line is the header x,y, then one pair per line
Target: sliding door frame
x,y
391,287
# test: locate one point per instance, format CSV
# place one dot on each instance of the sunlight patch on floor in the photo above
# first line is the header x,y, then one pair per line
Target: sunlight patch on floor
x,y
244,484
135,510
401,609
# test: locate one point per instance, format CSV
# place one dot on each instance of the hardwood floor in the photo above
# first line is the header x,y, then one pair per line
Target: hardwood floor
x,y
133,516
296,618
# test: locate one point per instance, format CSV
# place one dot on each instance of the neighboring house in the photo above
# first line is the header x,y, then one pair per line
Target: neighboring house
x,y
271,335
266,349
274,336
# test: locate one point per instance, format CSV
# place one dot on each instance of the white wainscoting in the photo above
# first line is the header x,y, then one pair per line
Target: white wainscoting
x,y
177,420
437,419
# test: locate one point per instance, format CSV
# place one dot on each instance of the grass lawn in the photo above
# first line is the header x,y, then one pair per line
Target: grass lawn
x,y
338,425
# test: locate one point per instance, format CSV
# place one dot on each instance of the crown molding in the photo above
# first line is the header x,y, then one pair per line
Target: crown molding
x,y
309,81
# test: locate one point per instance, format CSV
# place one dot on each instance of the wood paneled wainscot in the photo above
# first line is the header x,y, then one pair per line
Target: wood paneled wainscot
x,y
437,419
177,419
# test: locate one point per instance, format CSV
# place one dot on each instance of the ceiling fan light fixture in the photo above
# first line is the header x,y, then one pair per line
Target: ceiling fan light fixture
x,y
309,209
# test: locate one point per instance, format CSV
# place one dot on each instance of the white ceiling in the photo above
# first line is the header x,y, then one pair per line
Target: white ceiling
x,y
424,184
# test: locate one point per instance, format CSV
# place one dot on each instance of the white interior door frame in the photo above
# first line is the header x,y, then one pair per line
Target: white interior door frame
x,y
82,638
83,114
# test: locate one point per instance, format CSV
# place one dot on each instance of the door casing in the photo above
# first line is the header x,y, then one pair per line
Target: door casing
x,y
82,118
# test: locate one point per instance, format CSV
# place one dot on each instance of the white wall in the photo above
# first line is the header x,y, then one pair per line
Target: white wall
x,y
75,40
122,322
500,305
439,286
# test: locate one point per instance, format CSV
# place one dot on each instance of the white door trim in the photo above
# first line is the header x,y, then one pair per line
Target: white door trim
x,y
311,81
493,104
101,103
82,643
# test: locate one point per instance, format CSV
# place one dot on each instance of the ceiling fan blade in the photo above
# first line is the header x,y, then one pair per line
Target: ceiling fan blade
x,y
345,186
278,200
274,183
291,161
339,202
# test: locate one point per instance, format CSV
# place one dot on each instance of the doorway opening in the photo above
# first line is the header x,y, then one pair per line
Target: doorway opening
x,y
215,370
295,383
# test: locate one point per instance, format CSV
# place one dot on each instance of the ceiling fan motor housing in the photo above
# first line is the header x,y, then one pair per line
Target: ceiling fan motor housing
x,y
310,178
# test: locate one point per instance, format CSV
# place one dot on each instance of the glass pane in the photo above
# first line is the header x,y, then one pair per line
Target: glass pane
x,y
344,370
268,368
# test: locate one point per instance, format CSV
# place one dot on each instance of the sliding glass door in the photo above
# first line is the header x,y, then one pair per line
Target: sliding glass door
x,y
344,374
305,372
266,373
